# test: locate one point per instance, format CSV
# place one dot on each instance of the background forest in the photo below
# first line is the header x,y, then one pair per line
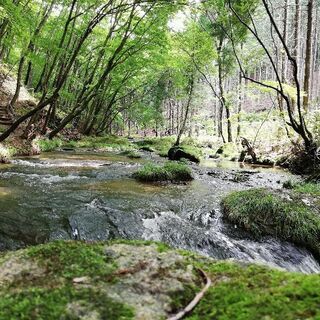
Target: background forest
x,y
212,70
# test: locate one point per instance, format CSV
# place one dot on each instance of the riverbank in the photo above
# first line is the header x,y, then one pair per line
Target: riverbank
x,y
143,280
289,215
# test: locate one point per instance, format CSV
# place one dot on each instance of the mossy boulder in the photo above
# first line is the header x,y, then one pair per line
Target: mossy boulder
x,y
228,151
177,153
75,280
144,280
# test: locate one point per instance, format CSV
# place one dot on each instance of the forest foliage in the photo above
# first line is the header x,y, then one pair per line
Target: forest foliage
x,y
222,69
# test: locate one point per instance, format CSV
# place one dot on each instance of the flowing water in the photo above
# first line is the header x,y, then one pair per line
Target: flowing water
x,y
69,195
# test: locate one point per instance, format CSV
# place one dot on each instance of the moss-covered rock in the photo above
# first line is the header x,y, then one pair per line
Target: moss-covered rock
x,y
158,145
144,280
75,280
177,153
228,151
291,217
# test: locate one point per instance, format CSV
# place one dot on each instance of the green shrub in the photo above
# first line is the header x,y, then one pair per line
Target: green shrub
x,y
264,213
171,171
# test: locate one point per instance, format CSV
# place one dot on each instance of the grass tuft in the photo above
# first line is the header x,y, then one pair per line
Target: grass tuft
x,y
170,171
47,145
264,213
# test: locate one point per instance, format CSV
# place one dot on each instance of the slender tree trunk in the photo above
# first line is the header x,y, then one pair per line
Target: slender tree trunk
x,y
239,106
18,86
308,61
296,45
222,107
187,110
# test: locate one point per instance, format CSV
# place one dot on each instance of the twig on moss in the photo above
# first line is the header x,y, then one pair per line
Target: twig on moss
x,y
196,299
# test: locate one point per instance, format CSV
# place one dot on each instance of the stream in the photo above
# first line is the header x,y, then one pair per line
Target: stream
x,y
90,196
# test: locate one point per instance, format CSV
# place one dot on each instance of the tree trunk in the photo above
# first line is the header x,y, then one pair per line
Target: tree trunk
x,y
308,59
239,106
187,110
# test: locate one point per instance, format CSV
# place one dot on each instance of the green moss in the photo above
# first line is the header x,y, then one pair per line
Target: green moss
x,y
160,145
311,188
179,300
308,188
289,184
65,302
192,150
52,293
264,213
228,151
106,142
47,145
253,292
171,171
244,292
72,259
162,247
